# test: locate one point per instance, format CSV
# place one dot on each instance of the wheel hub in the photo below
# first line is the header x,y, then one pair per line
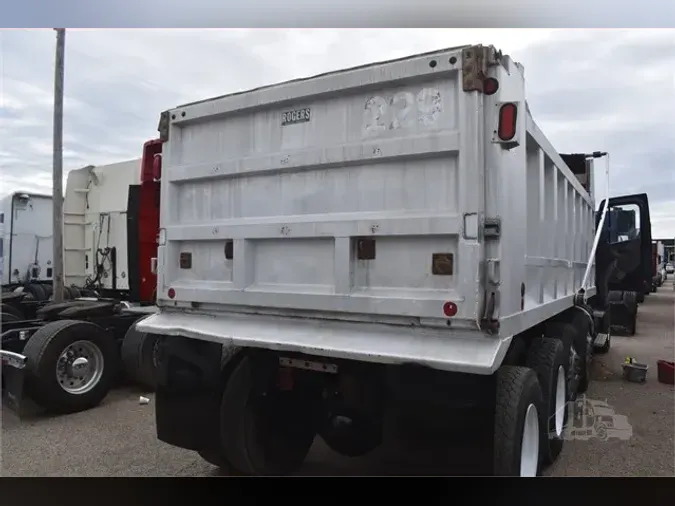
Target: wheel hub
x,y
79,367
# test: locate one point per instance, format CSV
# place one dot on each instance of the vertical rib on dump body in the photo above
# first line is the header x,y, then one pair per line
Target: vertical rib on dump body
x,y
381,194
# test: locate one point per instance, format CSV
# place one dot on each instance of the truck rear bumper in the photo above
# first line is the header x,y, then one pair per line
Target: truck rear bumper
x,y
444,349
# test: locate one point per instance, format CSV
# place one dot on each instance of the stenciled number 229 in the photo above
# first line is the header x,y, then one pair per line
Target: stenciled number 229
x,y
403,110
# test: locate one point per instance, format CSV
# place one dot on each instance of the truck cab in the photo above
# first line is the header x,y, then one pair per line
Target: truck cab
x,y
624,258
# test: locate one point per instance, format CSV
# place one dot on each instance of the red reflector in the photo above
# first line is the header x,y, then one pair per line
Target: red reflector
x,y
490,86
157,166
508,114
171,293
449,309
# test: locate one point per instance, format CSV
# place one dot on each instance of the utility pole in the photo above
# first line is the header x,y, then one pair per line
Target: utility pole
x,y
57,171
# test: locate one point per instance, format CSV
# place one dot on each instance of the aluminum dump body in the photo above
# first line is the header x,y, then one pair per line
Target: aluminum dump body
x,y
376,195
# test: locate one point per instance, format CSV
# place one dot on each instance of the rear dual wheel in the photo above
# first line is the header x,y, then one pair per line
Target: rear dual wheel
x,y
519,422
531,411
264,431
548,360
139,355
577,341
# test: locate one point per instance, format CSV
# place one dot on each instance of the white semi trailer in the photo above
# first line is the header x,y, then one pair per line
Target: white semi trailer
x,y
25,238
367,254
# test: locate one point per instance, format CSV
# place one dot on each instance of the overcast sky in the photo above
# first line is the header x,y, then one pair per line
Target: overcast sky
x,y
610,90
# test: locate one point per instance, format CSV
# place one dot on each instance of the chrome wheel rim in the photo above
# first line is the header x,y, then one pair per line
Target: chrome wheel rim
x,y
529,445
560,401
79,367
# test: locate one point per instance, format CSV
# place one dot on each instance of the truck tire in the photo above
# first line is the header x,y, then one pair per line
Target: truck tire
x,y
52,353
548,359
519,420
7,311
36,291
138,354
268,434
577,332
630,300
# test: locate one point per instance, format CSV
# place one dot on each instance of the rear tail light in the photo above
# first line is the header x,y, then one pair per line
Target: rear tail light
x,y
171,293
490,86
508,115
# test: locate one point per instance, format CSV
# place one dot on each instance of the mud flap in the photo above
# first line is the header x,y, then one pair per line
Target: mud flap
x,y
187,399
13,376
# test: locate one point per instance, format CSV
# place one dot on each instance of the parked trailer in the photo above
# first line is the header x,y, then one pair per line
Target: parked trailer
x,y
66,356
373,253
25,238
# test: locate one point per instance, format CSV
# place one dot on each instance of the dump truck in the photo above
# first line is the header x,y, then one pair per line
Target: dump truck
x,y
370,254
67,356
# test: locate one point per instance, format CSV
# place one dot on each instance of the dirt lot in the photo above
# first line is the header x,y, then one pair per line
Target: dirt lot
x,y
118,437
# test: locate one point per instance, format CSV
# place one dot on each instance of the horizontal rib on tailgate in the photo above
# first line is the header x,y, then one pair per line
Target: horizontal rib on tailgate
x,y
272,204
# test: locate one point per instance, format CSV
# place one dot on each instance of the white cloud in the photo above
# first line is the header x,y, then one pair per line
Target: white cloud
x,y
588,90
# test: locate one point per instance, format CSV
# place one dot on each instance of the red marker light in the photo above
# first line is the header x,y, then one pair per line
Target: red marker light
x,y
508,114
490,86
157,166
449,309
171,293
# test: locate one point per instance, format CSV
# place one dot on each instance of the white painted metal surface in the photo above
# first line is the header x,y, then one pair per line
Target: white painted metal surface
x,y
295,174
26,237
661,253
95,218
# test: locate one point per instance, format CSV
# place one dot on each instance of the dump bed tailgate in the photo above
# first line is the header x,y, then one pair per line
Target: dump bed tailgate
x,y
355,192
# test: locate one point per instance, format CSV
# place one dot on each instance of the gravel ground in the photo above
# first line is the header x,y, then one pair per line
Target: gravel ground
x,y
118,437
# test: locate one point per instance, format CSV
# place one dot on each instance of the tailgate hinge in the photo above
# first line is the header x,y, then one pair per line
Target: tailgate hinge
x,y
475,63
163,126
